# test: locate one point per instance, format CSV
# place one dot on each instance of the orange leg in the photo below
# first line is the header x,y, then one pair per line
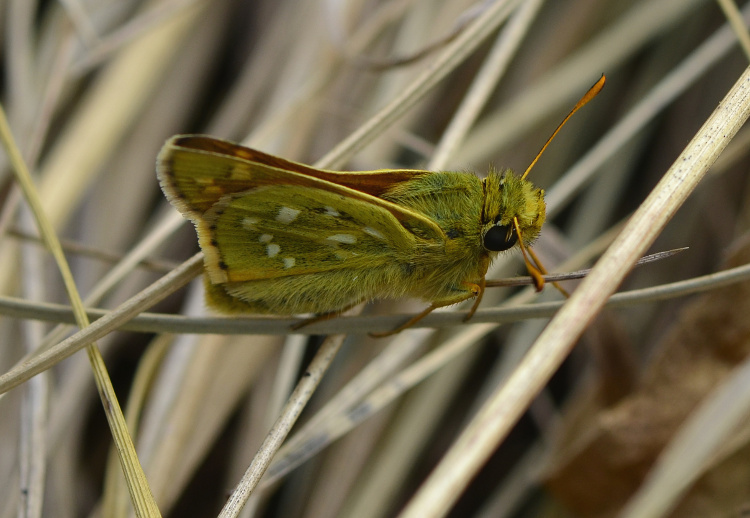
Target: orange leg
x,y
413,320
483,267
473,290
480,295
323,317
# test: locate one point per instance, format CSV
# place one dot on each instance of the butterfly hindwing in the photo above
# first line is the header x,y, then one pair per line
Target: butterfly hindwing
x,y
286,230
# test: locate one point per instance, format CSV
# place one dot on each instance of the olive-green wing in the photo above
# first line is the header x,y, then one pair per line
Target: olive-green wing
x,y
285,230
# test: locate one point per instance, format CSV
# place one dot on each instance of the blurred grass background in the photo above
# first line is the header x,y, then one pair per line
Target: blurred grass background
x,y
93,89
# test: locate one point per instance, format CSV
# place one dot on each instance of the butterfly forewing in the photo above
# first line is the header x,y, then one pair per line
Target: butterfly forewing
x,y
197,172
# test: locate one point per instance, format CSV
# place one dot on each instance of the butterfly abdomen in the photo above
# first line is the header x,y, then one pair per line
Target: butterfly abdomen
x,y
322,292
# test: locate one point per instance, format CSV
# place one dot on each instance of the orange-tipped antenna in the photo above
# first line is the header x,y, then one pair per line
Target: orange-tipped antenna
x,y
593,91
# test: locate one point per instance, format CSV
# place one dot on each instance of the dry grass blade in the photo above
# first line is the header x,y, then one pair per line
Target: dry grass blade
x,y
287,418
735,19
151,322
580,274
502,52
451,57
143,501
145,299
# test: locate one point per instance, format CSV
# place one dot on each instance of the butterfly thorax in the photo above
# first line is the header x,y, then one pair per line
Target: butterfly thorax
x,y
453,200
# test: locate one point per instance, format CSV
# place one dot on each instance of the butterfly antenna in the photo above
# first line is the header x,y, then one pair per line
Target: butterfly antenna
x,y
593,91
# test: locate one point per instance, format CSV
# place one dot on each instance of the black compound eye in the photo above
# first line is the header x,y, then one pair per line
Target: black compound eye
x,y
500,237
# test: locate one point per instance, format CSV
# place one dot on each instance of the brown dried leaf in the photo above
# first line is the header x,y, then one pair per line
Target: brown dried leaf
x,y
605,452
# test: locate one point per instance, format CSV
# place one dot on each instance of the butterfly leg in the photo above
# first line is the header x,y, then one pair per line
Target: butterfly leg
x,y
477,300
484,266
472,290
322,317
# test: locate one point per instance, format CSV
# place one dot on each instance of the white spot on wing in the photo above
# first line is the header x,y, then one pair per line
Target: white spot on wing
x,y
265,238
272,250
286,215
342,238
331,211
289,262
374,233
249,223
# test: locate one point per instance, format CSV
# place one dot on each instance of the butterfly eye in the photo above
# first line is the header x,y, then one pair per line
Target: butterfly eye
x,y
500,237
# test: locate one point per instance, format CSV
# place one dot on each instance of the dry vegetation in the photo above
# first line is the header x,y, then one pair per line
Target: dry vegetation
x,y
639,419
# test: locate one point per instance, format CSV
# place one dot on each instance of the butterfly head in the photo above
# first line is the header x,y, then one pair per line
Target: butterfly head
x,y
511,204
